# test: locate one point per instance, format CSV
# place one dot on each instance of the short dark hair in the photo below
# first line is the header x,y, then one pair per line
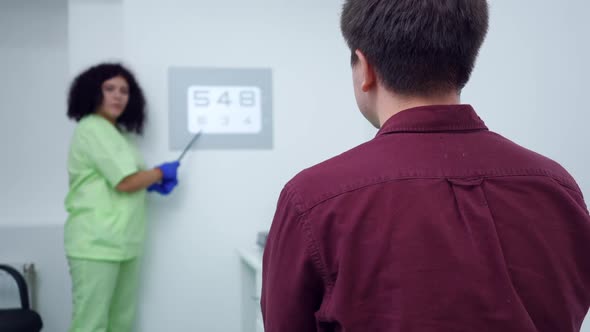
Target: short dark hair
x,y
85,95
417,47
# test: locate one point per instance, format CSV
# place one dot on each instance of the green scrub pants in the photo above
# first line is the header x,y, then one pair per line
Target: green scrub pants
x,y
104,295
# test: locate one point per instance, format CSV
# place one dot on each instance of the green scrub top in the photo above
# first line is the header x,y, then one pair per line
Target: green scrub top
x,y
103,223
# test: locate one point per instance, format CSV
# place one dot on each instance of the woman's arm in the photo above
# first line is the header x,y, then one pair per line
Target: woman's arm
x,y
143,179
140,180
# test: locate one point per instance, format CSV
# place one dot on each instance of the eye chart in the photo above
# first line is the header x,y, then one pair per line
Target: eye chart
x,y
232,108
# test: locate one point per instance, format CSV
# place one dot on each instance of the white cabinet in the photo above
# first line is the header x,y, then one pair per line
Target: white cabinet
x,y
251,275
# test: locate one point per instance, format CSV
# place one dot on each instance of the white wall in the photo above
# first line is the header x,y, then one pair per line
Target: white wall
x,y
225,197
34,130
531,71
90,39
34,135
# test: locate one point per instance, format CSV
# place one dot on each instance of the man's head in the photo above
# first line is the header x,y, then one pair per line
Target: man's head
x,y
414,48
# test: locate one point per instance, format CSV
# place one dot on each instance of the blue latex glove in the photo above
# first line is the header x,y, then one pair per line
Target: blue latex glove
x,y
163,188
168,186
169,170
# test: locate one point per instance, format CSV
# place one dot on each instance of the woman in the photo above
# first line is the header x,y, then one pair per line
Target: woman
x,y
106,202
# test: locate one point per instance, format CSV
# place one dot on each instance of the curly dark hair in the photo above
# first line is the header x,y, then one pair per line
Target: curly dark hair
x,y
85,96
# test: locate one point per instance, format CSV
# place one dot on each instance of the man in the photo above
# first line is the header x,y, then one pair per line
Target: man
x,y
437,224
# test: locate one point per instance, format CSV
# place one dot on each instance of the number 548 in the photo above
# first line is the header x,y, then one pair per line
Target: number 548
x,y
204,98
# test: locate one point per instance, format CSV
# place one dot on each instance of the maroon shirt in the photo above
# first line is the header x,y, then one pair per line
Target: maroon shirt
x,y
437,224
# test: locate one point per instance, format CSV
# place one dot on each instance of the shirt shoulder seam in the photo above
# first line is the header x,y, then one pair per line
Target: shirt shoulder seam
x,y
302,208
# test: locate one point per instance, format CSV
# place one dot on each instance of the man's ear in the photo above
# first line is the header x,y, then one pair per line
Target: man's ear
x,y
368,75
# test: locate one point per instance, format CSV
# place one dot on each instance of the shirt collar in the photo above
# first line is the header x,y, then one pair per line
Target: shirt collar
x,y
434,118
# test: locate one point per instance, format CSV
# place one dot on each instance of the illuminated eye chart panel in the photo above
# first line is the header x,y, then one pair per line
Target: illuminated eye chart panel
x,y
232,108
